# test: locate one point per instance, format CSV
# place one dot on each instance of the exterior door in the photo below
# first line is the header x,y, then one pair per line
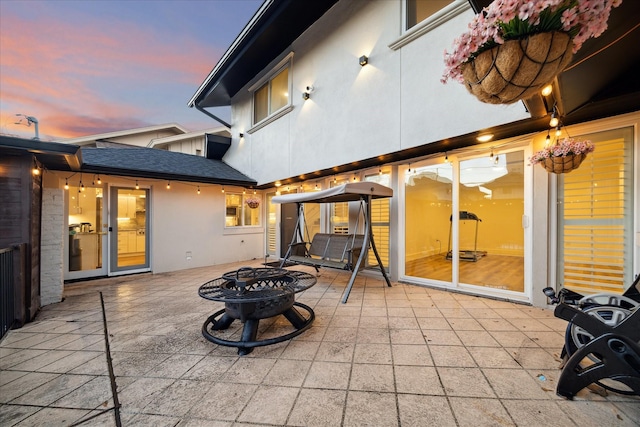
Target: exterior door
x,y
129,226
86,246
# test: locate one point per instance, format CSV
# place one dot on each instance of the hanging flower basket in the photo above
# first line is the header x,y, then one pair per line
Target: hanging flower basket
x,y
563,164
517,69
513,48
564,156
252,202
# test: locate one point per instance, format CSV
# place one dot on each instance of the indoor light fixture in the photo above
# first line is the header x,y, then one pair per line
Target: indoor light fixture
x,y
363,60
546,91
305,95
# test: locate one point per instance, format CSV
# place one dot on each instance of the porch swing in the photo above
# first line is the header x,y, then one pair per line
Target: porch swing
x,y
339,251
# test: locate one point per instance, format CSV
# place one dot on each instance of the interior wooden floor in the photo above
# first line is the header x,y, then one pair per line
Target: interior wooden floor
x,y
494,271
128,260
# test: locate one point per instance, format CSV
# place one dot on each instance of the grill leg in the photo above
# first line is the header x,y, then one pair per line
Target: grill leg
x,y
295,318
249,334
224,323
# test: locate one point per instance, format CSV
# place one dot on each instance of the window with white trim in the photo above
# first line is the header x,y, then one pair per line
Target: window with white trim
x,y
272,96
595,217
419,10
242,210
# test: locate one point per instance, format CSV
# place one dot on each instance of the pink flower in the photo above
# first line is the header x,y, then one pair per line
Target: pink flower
x,y
497,23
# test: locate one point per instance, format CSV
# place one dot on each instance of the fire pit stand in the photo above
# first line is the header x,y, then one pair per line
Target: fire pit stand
x,y
251,294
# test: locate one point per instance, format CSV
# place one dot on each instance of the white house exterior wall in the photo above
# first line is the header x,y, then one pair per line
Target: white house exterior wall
x,y
394,103
183,221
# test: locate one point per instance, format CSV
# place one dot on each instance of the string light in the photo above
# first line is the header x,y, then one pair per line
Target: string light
x,y
409,168
99,180
223,189
335,180
198,189
66,183
168,185
137,186
380,171
547,140
559,131
81,186
446,158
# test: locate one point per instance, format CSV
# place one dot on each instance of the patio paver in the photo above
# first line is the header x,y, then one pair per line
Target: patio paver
x,y
400,356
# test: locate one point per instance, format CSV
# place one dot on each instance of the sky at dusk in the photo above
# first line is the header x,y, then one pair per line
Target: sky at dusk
x,y
88,67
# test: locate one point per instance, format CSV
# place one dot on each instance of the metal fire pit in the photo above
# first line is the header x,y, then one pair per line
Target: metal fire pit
x,y
251,294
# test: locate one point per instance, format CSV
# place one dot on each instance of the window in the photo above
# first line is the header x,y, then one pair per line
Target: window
x,y
595,217
242,210
419,10
272,96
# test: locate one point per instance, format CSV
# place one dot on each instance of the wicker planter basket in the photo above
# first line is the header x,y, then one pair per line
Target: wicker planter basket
x,y
517,69
563,164
253,205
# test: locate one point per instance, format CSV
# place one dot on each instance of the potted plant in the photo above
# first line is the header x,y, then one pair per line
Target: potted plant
x,y
252,201
563,156
515,47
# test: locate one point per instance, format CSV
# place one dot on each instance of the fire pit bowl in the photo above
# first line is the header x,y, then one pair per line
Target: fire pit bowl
x,y
251,294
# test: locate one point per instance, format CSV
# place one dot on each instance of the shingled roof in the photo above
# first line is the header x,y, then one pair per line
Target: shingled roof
x,y
130,161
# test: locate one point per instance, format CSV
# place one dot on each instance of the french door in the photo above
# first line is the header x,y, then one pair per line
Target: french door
x,y
465,222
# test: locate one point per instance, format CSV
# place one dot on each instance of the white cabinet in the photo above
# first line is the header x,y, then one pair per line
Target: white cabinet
x,y
140,242
126,242
126,207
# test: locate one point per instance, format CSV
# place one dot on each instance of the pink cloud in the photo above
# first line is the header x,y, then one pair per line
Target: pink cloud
x,y
81,79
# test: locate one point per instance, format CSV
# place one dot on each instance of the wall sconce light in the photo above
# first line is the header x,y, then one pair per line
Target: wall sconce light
x,y
363,60
241,135
305,95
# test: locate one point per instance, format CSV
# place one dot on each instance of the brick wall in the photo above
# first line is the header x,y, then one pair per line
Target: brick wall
x,y
52,246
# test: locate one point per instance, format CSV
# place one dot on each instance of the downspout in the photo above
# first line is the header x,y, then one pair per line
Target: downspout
x,y
219,120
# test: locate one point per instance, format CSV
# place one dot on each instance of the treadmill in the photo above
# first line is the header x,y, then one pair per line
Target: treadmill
x,y
466,255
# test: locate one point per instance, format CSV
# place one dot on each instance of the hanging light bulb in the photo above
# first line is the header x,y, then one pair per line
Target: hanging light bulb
x,y
81,186
223,189
137,186
198,189
244,191
446,158
380,171
99,180
254,191
559,131
547,140
496,160
554,119
409,168
168,185
66,183
335,180
491,155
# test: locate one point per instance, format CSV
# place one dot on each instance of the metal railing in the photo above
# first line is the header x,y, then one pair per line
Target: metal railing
x,y
7,302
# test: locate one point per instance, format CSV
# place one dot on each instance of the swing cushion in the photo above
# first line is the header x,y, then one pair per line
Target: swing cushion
x,y
330,250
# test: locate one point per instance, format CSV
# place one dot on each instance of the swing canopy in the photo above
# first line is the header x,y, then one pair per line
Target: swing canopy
x,y
349,192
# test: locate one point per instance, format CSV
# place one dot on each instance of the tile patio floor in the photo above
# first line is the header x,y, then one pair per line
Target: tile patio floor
x,y
400,356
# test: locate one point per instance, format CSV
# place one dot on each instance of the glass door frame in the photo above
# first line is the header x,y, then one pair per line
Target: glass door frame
x,y
527,220
101,229
114,269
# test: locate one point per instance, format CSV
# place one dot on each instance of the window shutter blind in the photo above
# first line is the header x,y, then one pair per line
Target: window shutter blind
x,y
595,217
